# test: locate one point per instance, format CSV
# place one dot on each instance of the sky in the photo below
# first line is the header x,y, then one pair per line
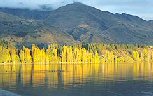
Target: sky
x,y
141,8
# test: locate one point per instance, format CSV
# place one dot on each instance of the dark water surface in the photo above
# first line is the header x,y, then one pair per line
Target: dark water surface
x,y
77,79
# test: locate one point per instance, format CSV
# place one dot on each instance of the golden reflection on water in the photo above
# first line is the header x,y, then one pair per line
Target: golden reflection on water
x,y
54,75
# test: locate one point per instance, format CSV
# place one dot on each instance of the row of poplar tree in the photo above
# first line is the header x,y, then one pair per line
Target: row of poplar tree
x,y
79,53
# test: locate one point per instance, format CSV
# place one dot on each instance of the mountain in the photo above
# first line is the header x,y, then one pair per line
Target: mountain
x,y
87,23
73,23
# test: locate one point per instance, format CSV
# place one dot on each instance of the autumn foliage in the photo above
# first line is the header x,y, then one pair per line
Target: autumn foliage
x,y
80,53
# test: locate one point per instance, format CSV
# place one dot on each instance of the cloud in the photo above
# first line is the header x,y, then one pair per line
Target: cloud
x,y
142,8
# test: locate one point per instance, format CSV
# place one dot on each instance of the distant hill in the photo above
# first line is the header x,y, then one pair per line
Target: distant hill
x,y
28,13
73,23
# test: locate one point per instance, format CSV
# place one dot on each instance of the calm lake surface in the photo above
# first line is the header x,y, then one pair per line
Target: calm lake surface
x,y
77,79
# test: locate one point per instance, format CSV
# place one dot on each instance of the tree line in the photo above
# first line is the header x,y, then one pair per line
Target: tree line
x,y
79,53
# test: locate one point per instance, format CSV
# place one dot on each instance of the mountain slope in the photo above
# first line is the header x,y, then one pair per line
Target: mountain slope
x,y
75,23
87,24
25,31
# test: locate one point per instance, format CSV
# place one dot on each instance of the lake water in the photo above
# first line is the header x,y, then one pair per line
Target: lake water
x,y
77,79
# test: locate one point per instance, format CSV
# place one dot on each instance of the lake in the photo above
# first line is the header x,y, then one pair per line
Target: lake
x,y
77,79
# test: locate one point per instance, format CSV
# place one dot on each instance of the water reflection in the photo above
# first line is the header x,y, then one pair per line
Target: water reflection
x,y
78,79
